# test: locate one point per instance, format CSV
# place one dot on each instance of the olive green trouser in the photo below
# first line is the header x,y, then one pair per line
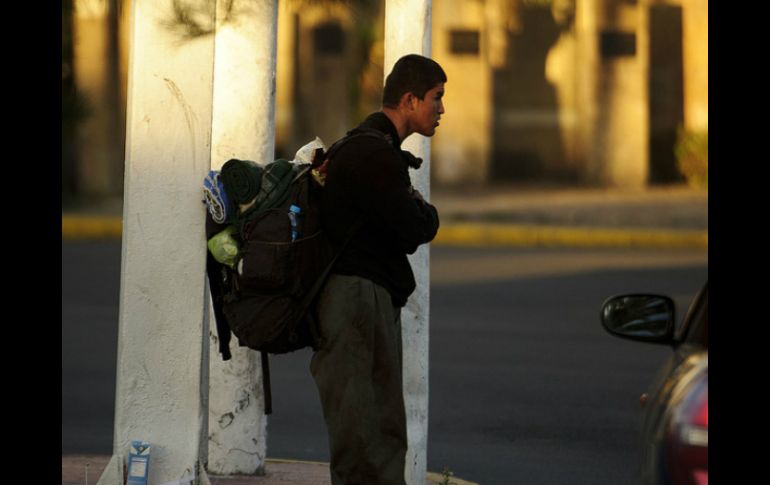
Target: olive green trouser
x,y
358,373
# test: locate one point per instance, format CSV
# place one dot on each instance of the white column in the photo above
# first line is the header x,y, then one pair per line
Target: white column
x,y
586,86
612,92
243,127
408,31
695,30
99,157
162,369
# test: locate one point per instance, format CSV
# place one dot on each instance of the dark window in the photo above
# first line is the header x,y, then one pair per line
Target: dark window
x,y
329,39
618,44
464,42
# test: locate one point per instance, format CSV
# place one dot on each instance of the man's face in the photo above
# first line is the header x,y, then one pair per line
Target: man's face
x,y
428,112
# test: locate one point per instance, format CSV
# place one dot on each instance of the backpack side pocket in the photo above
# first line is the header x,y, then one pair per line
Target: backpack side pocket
x,y
264,265
266,252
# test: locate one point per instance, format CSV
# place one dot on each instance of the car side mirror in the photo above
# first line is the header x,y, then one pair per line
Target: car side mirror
x,y
646,318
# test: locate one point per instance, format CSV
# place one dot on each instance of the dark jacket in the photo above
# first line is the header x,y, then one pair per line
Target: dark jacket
x,y
368,179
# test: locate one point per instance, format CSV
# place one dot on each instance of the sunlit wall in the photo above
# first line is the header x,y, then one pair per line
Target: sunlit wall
x,y
578,92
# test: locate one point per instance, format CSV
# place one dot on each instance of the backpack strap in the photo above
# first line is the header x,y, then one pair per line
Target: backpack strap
x,y
316,289
356,133
321,159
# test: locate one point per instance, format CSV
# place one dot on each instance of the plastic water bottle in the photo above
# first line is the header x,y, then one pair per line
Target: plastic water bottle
x,y
293,218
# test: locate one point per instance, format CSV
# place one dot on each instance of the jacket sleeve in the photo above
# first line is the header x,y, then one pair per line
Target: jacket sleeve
x,y
385,194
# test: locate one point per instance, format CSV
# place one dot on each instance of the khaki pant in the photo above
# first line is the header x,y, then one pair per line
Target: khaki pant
x,y
358,370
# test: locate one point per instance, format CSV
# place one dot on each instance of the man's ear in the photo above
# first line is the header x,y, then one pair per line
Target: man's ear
x,y
409,101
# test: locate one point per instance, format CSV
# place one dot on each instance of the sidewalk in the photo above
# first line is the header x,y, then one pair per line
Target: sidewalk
x,y
278,472
663,217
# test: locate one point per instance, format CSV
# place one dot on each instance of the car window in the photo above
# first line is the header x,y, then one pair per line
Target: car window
x,y
694,328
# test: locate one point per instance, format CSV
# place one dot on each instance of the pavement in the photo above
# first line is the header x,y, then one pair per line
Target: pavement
x,y
660,217
673,217
86,469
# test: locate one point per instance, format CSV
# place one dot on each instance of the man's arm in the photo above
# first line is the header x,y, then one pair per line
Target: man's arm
x,y
385,194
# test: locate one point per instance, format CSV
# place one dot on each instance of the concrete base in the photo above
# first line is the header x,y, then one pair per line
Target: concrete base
x,y
113,474
78,470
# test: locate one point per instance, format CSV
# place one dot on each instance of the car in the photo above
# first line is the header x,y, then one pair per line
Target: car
x,y
675,409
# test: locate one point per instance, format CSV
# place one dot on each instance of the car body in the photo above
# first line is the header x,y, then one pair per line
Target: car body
x,y
675,419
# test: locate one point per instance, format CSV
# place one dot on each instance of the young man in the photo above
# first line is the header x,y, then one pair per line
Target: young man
x,y
358,365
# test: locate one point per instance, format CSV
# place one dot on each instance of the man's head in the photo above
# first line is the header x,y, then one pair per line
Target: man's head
x,y
414,88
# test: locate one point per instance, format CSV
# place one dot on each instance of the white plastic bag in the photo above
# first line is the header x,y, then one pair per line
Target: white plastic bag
x,y
305,154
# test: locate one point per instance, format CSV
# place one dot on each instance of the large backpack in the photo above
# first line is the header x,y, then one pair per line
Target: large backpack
x,y
266,298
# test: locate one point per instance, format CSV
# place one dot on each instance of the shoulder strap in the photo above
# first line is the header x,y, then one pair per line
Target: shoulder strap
x,y
355,133
310,296
411,160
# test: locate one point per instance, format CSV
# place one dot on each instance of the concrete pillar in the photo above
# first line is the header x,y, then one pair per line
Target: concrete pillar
x,y
162,368
696,64
243,127
408,31
462,143
99,144
285,78
587,52
319,69
613,109
561,71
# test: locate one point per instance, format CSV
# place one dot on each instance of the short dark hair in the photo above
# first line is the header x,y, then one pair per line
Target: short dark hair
x,y
414,74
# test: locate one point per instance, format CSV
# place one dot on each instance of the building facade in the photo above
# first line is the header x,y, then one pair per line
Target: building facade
x,y
580,92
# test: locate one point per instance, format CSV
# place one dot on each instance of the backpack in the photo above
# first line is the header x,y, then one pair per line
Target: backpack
x,y
265,294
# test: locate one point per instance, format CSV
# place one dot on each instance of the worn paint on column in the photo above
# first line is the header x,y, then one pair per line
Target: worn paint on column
x,y
243,127
161,368
408,31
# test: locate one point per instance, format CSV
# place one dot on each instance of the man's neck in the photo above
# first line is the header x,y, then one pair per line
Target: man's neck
x,y
399,121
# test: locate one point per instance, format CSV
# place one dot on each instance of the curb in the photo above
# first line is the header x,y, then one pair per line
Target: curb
x,y
469,234
91,227
453,480
432,476
488,235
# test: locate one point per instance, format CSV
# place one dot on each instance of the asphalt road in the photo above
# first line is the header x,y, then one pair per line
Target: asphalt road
x,y
525,386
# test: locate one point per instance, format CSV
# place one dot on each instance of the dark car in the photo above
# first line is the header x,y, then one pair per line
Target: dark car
x,y
675,421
